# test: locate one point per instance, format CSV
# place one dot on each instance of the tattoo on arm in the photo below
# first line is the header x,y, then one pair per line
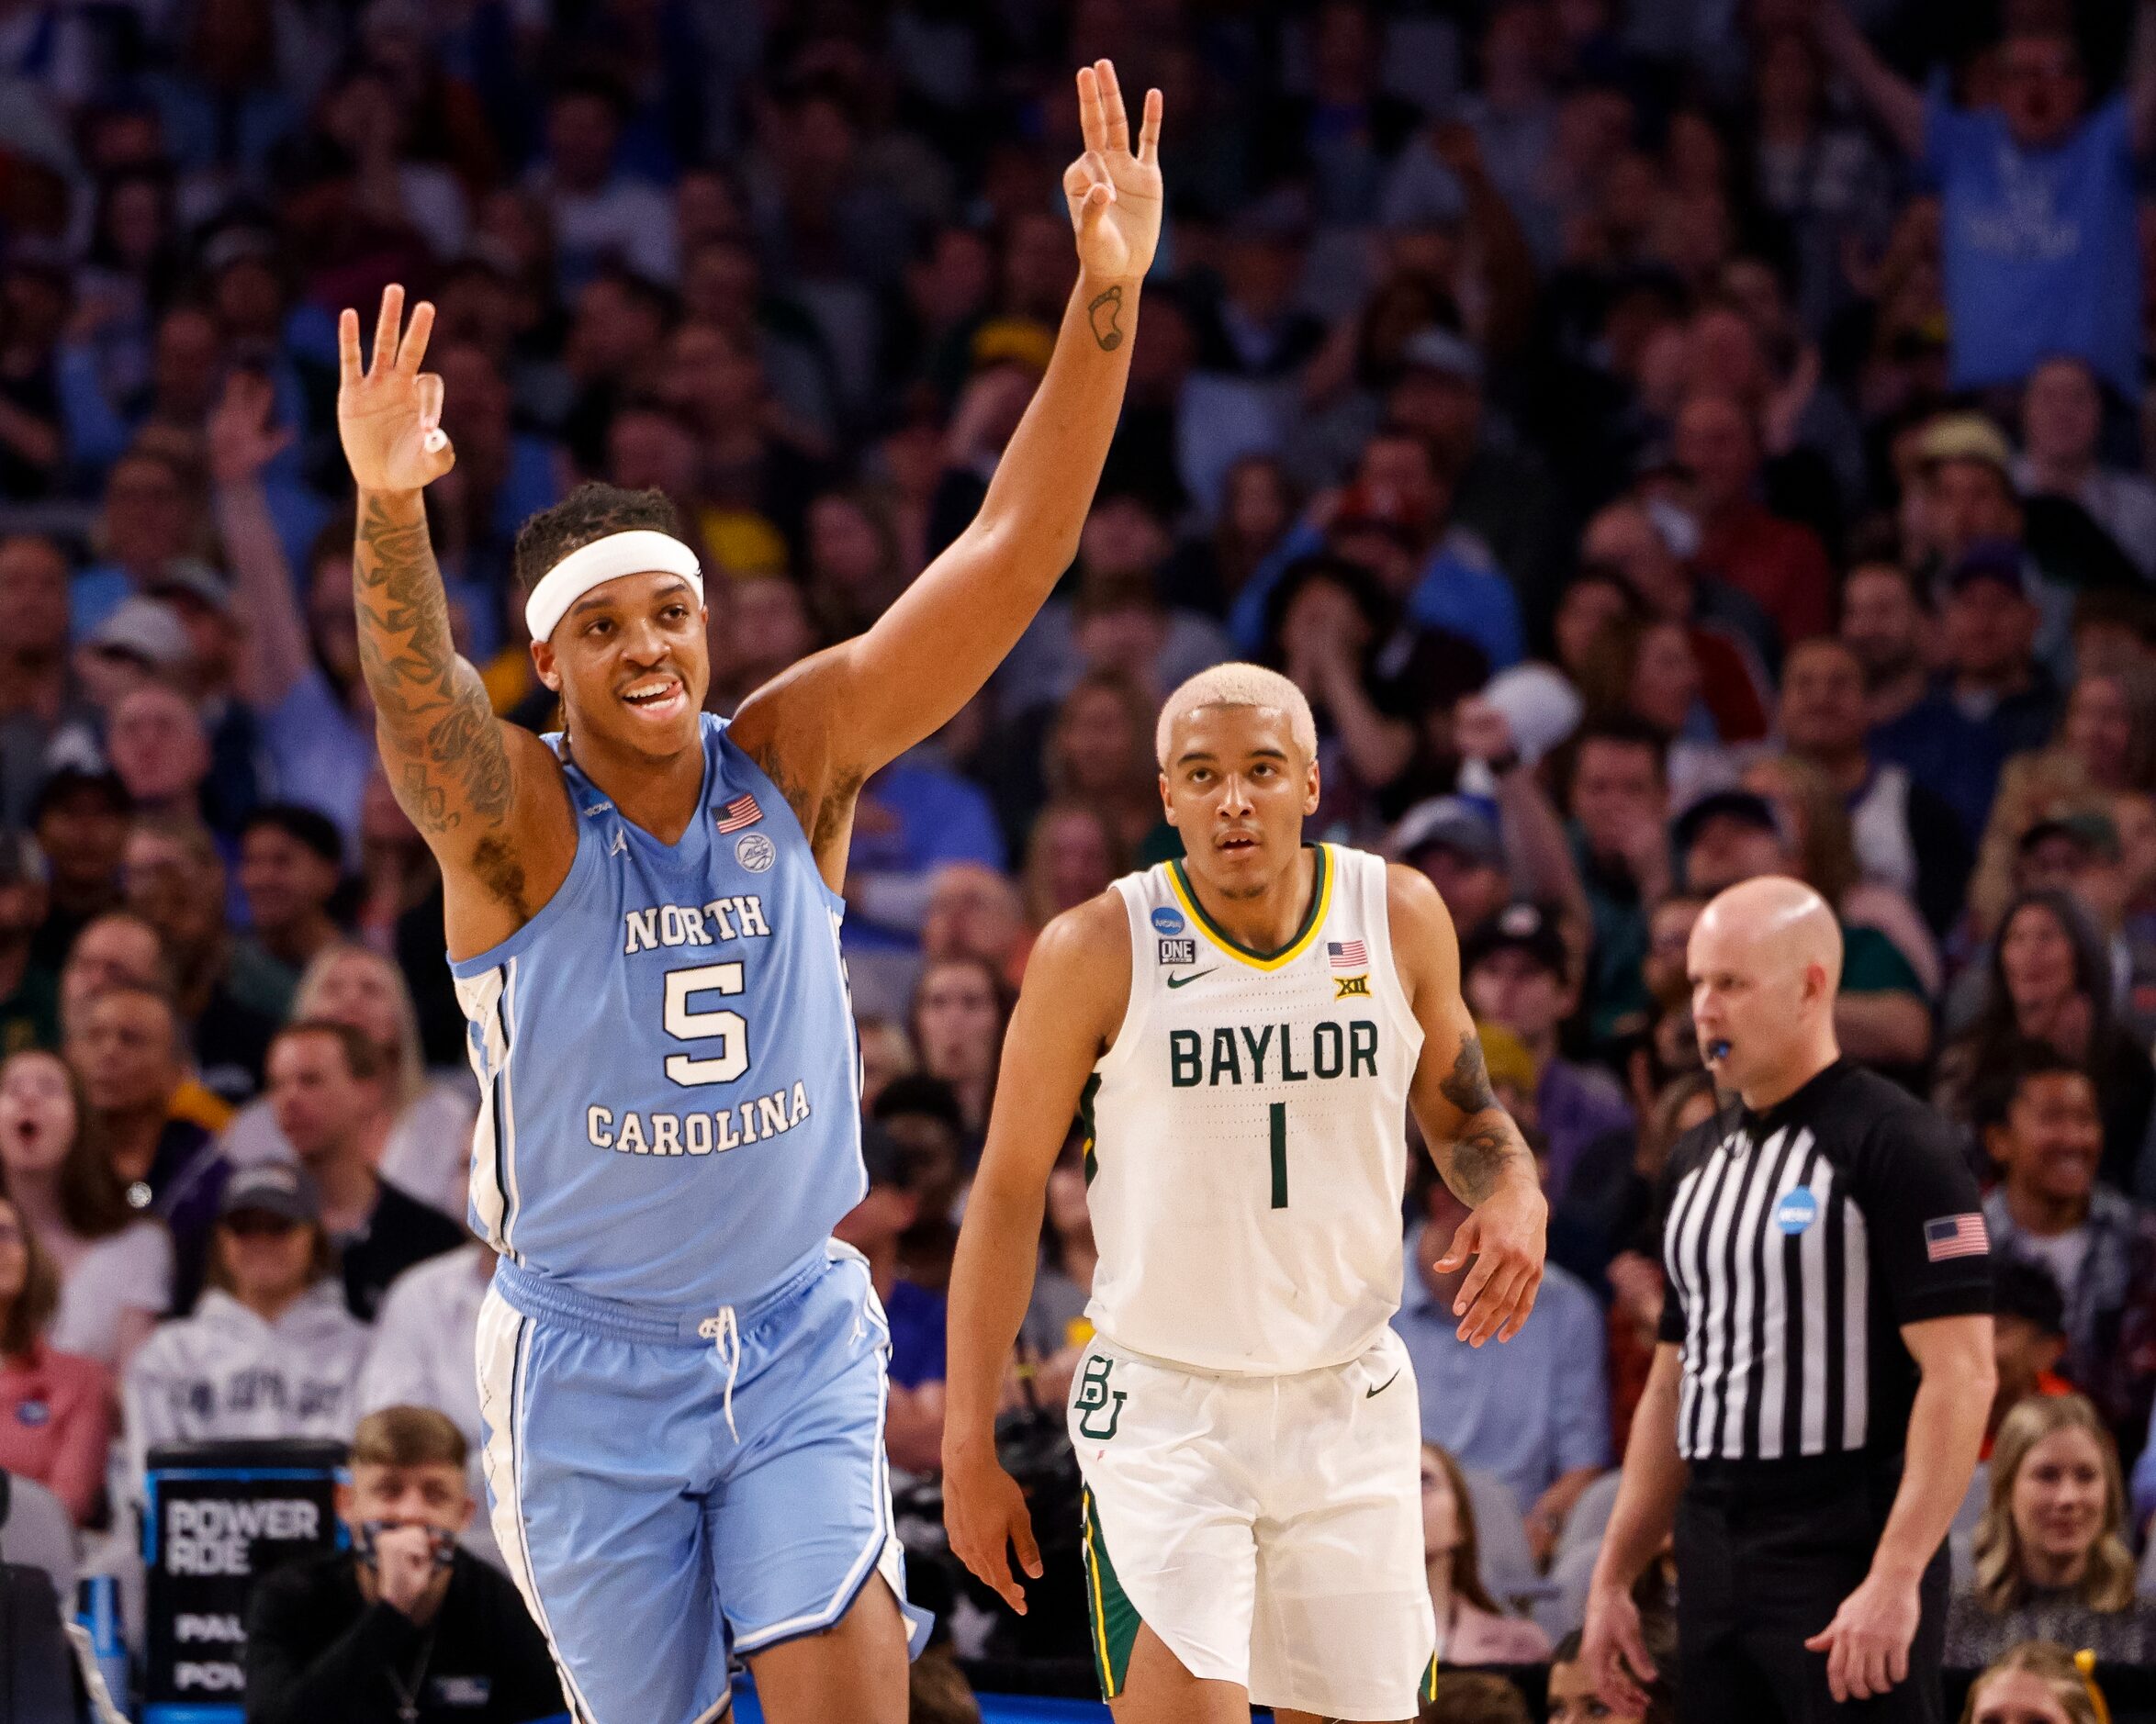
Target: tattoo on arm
x,y
1487,1139
1100,312
441,742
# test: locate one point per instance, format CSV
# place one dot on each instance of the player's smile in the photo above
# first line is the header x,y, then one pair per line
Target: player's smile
x,y
658,695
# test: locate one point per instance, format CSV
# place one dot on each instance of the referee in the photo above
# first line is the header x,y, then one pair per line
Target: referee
x,y
1829,1286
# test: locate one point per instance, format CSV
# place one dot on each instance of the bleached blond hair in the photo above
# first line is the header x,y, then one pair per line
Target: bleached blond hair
x,y
1239,685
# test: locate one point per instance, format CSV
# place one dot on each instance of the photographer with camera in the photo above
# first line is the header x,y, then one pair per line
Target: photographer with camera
x,y
404,1628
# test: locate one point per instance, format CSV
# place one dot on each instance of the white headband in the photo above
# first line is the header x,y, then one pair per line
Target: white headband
x,y
639,551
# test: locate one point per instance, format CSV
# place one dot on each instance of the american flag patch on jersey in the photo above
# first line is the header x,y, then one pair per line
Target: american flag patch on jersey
x,y
1956,1236
741,811
1348,954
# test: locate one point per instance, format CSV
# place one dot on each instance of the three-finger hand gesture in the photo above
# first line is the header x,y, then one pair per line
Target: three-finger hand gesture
x,y
390,417
1115,190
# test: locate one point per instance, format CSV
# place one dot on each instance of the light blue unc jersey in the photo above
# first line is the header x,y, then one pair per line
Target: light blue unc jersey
x,y
669,1080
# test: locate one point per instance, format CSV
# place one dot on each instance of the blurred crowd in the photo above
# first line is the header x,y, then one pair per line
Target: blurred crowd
x,y
1670,442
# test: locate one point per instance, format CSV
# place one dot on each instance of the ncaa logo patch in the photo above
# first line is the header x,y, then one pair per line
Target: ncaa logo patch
x,y
1796,1210
1167,919
755,852
1182,951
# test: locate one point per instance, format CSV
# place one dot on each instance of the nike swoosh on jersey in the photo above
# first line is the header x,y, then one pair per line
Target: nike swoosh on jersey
x,y
1178,981
1381,1388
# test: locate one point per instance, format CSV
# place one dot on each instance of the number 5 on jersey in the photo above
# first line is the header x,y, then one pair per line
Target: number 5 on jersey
x,y
726,1028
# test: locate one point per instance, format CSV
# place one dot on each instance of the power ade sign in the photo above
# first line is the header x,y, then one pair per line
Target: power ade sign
x,y
217,1516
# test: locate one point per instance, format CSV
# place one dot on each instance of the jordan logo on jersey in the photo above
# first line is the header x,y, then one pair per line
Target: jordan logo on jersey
x,y
1094,1398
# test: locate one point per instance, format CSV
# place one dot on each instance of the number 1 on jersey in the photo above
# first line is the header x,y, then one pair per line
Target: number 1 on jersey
x,y
1280,1154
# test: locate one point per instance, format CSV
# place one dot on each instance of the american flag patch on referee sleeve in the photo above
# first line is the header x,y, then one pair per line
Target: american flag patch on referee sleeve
x,y
1348,954
1956,1236
741,811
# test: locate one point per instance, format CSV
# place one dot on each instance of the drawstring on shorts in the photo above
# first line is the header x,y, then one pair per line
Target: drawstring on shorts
x,y
725,1332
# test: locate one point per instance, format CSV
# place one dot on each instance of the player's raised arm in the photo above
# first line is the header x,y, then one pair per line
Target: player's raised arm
x,y
456,769
870,699
1472,1140
1077,983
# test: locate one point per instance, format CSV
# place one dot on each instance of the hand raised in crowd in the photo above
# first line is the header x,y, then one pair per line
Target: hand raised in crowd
x,y
390,416
1114,191
242,439
1480,732
404,1565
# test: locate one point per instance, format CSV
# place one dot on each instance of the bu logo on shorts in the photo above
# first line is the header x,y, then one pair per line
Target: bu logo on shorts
x,y
1094,1396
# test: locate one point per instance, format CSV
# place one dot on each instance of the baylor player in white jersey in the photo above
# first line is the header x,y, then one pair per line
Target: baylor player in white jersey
x,y
1243,1034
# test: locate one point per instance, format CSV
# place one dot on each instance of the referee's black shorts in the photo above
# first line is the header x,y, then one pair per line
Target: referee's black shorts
x,y
1765,1552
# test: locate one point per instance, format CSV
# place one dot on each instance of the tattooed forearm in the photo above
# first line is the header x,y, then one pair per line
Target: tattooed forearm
x,y
1466,1086
439,737
1488,1141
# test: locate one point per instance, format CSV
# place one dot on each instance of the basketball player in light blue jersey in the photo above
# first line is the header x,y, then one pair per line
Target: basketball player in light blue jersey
x,y
682,1376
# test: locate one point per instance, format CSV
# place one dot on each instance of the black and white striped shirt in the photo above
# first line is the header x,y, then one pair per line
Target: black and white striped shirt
x,y
1796,1244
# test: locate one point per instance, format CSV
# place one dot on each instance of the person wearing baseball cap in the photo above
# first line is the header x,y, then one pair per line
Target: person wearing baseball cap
x,y
269,1351
1993,616
1515,970
1454,841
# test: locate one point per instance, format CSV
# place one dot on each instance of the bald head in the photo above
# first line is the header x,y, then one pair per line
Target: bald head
x,y
1764,961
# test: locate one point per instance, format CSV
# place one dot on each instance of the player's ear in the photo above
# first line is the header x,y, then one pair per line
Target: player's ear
x,y
542,662
1167,806
1312,789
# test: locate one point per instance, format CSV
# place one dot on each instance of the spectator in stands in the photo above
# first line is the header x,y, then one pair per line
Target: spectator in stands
x,y
1881,1014
114,1265
1100,750
269,1351
2036,1681
913,1423
1055,1329
1780,563
402,1624
2038,1124
2028,1337
1574,1699
2062,426
300,669
151,518
887,1054
426,1336
2037,213
291,860
30,992
1472,1629
2052,1560
1818,823
1456,845
1536,1416
126,1047
1993,675
975,911
1733,637
1620,825
428,1146
329,1091
959,1009
80,820
55,1408
1907,836
44,713
2049,980
1072,854
160,750
175,882
1515,972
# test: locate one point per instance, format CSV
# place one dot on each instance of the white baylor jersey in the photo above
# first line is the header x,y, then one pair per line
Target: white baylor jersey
x,y
1247,1131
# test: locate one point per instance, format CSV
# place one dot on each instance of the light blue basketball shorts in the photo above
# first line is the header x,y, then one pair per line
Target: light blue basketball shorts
x,y
668,1488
